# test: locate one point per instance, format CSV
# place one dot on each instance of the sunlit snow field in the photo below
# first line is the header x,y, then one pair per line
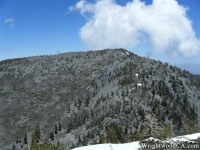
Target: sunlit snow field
x,y
131,146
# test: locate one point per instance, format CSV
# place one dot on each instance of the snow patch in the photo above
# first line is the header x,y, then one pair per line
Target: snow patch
x,y
135,145
190,136
126,146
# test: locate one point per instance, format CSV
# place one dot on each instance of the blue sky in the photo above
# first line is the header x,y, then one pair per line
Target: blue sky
x,y
165,30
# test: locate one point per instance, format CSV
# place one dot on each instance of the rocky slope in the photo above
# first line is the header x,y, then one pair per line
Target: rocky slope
x,y
78,98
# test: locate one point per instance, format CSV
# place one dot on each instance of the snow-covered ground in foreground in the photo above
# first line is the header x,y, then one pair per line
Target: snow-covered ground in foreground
x,y
125,146
131,146
191,136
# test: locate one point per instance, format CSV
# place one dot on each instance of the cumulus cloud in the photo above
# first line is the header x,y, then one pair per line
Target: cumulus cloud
x,y
163,24
10,21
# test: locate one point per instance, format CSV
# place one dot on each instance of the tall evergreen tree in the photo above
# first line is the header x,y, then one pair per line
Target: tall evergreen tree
x,y
51,136
59,126
37,133
25,138
56,129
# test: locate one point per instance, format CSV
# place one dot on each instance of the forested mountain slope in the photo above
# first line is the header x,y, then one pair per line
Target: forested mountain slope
x,y
76,98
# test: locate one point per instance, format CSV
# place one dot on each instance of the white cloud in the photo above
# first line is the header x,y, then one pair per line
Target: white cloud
x,y
164,24
10,20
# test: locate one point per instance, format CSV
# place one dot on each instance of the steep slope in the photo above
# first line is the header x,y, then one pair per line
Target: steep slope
x,y
85,97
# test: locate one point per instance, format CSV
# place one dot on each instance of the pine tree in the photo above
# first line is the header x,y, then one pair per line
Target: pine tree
x,y
79,139
25,138
102,139
126,129
37,133
20,139
79,102
56,129
59,126
112,135
33,140
13,147
51,136
17,139
58,143
87,101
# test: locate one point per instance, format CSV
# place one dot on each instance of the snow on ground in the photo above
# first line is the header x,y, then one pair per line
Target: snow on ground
x,y
125,146
181,139
133,145
152,138
190,136
184,138
127,53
